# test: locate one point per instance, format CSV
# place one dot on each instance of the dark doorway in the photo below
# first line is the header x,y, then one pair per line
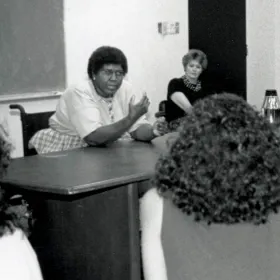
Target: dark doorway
x,y
218,27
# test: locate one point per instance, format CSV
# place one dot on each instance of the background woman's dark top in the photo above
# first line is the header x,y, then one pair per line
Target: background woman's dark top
x,y
173,111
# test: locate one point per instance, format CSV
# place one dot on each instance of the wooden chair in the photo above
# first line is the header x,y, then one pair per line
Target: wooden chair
x,y
161,109
31,123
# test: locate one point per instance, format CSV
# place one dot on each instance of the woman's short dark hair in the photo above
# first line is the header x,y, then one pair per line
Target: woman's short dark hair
x,y
197,55
106,55
224,167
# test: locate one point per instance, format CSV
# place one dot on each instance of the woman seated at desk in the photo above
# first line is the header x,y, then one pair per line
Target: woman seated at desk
x,y
18,260
98,111
184,91
214,211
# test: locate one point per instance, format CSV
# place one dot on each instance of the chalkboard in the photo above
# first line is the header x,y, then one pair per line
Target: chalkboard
x,y
31,46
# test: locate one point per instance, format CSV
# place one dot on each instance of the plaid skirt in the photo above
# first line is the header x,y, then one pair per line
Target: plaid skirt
x,y
48,140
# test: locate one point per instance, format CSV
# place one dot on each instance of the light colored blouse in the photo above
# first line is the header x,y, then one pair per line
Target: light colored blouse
x,y
81,110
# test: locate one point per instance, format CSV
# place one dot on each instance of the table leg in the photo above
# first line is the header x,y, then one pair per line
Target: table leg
x,y
133,217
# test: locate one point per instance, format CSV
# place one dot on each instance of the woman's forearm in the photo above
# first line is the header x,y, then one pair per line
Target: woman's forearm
x,y
181,101
109,133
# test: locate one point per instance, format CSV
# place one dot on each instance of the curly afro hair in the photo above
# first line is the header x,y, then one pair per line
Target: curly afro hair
x,y
106,55
224,167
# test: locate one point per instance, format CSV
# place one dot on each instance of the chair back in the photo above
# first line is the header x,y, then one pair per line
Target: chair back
x,y
31,123
161,109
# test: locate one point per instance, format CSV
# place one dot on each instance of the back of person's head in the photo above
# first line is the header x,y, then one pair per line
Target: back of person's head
x,y
197,55
106,55
224,167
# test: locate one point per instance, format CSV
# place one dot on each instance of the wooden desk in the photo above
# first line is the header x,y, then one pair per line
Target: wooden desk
x,y
86,205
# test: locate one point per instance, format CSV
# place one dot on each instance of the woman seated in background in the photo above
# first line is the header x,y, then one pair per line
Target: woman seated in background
x,y
18,260
213,214
183,92
98,111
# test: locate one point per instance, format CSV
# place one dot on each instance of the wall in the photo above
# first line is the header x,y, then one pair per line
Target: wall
x,y
277,45
132,26
261,30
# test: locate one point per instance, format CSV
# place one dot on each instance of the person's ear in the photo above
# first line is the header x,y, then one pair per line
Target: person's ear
x,y
93,76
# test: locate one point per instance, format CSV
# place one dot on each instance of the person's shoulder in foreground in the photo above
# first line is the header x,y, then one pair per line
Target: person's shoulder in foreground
x,y
18,260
